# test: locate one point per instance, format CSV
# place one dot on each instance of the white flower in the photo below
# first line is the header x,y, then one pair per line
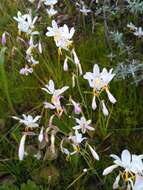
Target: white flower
x,y
62,35
21,150
50,2
94,78
26,70
124,162
137,164
131,26
49,105
77,138
138,183
77,108
25,22
50,89
54,31
132,165
99,81
51,11
56,104
84,10
31,1
139,32
83,125
55,100
28,120
106,76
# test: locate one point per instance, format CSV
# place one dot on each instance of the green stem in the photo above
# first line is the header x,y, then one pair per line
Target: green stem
x,y
4,80
80,92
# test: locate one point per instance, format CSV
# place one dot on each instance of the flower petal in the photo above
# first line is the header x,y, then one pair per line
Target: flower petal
x,y
116,182
109,169
126,157
21,148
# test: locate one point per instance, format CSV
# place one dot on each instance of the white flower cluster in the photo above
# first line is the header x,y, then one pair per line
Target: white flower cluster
x,y
63,39
50,3
132,170
83,8
56,96
138,31
26,24
99,81
78,137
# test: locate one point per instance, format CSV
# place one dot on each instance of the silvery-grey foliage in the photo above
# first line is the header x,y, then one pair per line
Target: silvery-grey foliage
x,y
117,37
135,6
134,70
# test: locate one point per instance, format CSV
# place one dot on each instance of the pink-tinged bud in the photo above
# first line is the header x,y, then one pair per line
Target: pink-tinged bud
x,y
26,70
77,108
104,109
94,106
3,40
111,97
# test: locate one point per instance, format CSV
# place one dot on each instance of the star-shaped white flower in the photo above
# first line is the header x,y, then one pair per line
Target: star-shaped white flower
x,y
25,22
50,89
62,35
56,95
77,138
99,81
28,120
83,124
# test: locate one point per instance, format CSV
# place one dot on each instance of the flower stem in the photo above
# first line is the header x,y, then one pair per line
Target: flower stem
x,y
4,79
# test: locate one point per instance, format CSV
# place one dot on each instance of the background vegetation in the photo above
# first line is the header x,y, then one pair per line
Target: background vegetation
x,y
19,94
